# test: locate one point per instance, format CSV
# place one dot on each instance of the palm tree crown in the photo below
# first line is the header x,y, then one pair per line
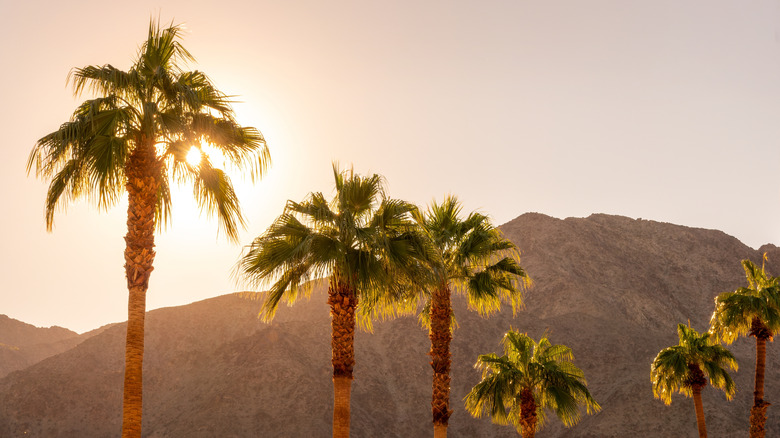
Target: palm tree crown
x,y
753,310
527,380
679,368
155,104
473,256
360,237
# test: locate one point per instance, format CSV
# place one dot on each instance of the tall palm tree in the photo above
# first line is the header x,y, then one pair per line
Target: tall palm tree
x,y
470,256
528,379
753,311
685,367
134,137
360,240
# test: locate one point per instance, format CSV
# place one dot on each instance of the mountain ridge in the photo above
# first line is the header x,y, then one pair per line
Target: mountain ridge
x,y
23,344
611,287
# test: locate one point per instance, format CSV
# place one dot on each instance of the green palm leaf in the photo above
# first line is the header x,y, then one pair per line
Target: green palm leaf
x,y
540,369
670,371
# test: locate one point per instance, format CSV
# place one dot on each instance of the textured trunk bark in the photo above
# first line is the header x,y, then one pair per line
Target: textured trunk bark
x,y
758,419
758,391
527,414
696,381
143,173
342,388
441,336
699,412
343,302
758,411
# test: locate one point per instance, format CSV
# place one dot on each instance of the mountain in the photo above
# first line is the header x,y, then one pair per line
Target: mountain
x,y
22,344
610,287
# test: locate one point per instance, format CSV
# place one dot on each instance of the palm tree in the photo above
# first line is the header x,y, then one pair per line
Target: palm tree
x,y
360,240
684,368
134,137
754,311
470,256
528,379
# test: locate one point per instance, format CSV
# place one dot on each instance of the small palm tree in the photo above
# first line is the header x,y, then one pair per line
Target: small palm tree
x,y
134,138
754,311
684,368
527,380
360,240
470,256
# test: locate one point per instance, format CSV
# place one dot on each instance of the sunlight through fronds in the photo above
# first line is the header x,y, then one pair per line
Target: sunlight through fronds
x,y
193,156
155,103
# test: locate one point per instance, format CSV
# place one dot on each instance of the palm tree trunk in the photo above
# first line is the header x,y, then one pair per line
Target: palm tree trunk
x,y
441,335
342,388
696,381
343,302
758,411
699,411
527,414
143,173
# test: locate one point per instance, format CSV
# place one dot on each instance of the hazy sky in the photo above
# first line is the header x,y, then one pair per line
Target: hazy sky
x,y
665,110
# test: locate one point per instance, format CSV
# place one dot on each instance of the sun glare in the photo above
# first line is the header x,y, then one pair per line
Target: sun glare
x,y
193,156
186,212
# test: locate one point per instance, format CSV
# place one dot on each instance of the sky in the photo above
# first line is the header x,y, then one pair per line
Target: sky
x,y
666,110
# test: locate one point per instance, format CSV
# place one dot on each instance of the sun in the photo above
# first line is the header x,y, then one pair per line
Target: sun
x,y
193,156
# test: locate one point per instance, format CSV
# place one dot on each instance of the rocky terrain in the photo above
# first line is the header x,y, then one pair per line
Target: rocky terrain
x,y
610,287
22,344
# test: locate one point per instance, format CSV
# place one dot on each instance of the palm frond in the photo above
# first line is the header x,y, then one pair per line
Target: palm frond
x,y
85,157
671,370
735,311
162,50
68,182
215,194
493,395
541,367
105,80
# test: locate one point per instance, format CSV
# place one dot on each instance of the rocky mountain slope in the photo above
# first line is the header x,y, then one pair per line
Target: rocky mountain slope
x,y
612,288
22,344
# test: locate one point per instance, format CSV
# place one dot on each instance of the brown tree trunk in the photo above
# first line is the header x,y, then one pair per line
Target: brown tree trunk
x,y
439,431
758,411
699,412
527,414
343,302
697,381
143,174
441,335
342,388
